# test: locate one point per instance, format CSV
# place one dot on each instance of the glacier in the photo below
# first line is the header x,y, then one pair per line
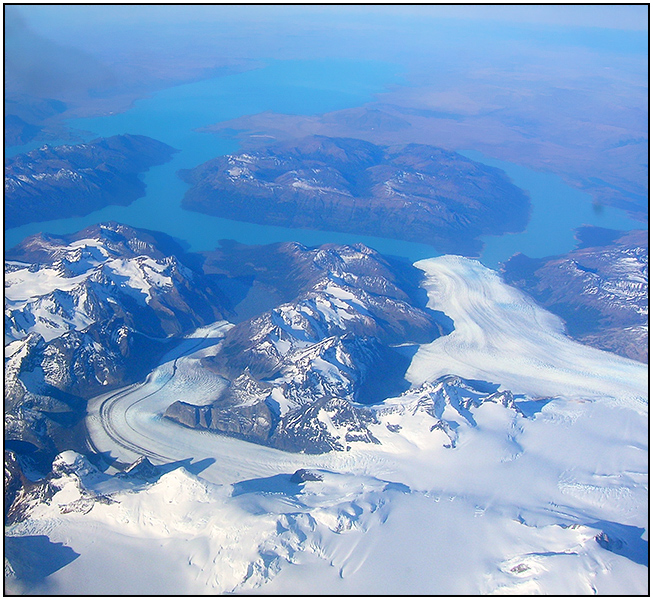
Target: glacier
x,y
517,463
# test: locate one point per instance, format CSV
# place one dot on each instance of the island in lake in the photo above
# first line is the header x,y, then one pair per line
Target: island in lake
x,y
413,192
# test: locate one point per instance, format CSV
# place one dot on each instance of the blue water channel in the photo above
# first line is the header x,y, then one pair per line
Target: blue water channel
x,y
305,88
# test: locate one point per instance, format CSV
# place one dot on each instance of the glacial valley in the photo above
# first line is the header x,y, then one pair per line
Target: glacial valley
x,y
359,401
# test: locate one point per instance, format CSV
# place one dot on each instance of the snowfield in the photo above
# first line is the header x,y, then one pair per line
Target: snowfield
x,y
501,335
343,534
549,496
69,294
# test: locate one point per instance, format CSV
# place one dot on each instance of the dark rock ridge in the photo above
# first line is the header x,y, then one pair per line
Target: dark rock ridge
x,y
600,289
88,312
66,469
304,475
414,192
259,278
14,480
330,291
141,469
303,371
75,180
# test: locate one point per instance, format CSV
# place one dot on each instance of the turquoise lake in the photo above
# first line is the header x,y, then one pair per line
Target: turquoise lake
x,y
557,209
307,88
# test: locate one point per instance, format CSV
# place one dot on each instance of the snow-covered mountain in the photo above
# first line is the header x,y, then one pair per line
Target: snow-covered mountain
x,y
335,344
87,312
55,284
425,429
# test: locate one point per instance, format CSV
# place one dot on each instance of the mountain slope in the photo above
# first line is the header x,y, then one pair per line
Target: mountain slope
x,y
75,180
600,289
333,345
85,313
54,284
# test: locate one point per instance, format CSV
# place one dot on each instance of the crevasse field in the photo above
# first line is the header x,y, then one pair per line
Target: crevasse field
x,y
550,499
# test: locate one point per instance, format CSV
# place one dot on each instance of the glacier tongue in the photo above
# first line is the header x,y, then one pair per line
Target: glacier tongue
x,y
502,335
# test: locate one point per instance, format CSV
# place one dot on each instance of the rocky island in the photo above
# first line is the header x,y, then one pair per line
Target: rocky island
x,y
75,180
413,192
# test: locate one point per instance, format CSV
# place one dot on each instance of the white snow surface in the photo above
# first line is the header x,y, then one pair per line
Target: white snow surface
x,y
33,293
501,335
23,284
551,499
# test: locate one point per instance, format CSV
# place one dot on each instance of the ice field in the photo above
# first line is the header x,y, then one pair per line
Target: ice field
x,y
548,499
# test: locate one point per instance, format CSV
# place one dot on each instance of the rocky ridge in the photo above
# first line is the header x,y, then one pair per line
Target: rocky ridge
x,y
338,346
